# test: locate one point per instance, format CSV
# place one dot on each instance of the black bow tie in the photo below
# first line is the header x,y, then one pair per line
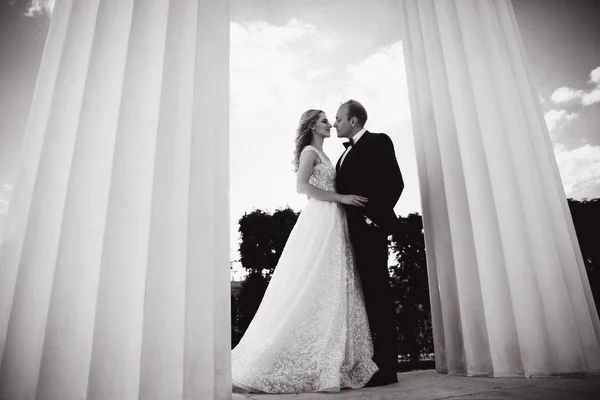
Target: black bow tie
x,y
348,143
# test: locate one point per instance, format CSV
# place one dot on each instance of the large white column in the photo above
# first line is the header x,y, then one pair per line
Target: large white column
x,y
114,282
509,291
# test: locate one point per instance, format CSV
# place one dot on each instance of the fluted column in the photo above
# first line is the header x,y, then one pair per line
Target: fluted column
x,y
509,291
114,281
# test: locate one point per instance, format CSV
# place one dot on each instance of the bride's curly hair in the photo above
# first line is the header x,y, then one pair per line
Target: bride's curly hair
x,y
304,134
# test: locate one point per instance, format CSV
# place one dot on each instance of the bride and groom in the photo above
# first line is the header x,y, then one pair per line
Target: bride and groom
x,y
327,319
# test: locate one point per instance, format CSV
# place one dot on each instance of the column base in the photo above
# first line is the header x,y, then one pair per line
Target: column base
x,y
565,375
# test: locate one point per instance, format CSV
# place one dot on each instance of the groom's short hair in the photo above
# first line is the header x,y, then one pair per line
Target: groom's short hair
x,y
355,109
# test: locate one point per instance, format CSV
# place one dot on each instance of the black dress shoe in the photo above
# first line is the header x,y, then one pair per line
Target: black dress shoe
x,y
382,378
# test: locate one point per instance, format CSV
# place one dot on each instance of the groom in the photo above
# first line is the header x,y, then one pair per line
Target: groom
x,y
369,168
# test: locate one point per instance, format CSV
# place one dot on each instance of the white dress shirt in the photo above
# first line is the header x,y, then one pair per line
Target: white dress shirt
x,y
355,139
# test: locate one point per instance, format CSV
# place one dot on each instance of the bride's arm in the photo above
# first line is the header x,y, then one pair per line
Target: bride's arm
x,y
306,162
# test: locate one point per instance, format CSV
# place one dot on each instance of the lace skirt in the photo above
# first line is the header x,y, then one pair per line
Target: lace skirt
x,y
311,332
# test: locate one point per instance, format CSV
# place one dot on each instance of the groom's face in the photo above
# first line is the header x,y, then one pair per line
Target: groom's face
x,y
342,124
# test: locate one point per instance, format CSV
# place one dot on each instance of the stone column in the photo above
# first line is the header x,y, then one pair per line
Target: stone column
x,y
114,281
509,291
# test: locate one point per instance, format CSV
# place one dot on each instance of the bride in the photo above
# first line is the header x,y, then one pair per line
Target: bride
x,y
311,332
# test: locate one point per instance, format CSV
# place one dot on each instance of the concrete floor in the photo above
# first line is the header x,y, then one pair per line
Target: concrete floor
x,y
429,385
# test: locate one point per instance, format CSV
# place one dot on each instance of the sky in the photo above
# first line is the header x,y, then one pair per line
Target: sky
x,y
288,56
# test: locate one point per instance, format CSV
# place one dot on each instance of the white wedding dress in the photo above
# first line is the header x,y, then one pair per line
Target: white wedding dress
x,y
311,332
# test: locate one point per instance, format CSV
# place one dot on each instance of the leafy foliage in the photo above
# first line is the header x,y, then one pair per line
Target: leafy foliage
x,y
586,218
247,304
263,239
264,236
410,289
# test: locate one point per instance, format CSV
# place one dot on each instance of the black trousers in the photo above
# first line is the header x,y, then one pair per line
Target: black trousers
x,y
371,256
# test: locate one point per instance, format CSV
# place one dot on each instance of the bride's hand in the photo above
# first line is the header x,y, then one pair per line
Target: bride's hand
x,y
354,200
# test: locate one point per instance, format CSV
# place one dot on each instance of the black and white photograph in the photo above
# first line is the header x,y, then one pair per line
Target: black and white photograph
x,y
299,199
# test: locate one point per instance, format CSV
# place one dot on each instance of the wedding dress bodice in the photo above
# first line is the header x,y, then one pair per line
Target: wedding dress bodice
x,y
323,172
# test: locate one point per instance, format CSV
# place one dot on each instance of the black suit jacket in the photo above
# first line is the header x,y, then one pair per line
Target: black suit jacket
x,y
371,170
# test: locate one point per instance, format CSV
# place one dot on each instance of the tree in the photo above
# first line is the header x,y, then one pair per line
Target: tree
x,y
586,219
410,289
263,238
410,284
249,299
236,333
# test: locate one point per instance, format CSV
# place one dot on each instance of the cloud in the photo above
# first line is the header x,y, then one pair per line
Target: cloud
x,y
570,104
584,97
273,79
267,35
541,99
329,42
278,72
313,73
595,76
39,7
379,82
557,118
579,170
265,69
591,98
565,95
5,195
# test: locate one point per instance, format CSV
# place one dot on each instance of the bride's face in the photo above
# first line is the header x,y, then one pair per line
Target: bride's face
x,y
322,127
